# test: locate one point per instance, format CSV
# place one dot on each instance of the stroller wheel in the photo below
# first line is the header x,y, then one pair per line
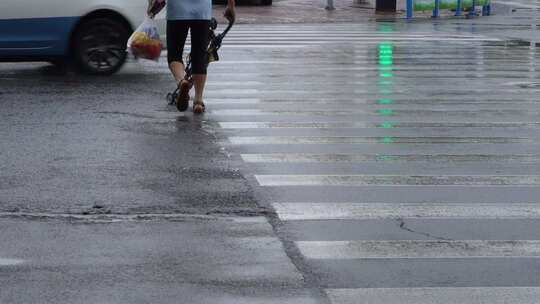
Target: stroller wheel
x,y
172,96
170,99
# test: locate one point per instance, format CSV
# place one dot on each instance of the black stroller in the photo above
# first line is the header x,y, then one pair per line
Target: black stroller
x,y
213,47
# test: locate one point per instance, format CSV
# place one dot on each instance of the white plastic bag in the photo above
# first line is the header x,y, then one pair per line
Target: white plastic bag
x,y
145,42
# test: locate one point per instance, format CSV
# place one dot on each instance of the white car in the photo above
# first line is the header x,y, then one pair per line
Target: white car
x,y
89,33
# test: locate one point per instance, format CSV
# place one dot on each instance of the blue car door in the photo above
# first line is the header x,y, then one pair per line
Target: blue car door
x,y
34,28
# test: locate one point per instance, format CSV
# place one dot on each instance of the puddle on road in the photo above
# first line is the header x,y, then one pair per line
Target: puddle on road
x,y
10,262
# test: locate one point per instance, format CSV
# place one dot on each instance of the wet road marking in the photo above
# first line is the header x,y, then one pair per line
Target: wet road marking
x,y
362,211
291,140
522,5
398,180
267,46
344,32
430,295
243,91
419,68
426,61
228,101
360,158
295,125
437,103
419,249
10,262
290,45
229,83
267,40
352,125
421,100
375,112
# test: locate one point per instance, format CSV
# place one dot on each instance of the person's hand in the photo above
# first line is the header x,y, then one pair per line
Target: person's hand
x,y
230,14
155,7
150,15
149,9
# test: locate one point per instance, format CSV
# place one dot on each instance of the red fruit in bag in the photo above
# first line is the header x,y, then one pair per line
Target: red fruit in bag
x,y
145,42
154,52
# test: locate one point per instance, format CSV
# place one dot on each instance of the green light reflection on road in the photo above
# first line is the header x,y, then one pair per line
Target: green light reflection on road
x,y
386,125
386,68
386,101
386,27
387,112
386,85
382,157
388,140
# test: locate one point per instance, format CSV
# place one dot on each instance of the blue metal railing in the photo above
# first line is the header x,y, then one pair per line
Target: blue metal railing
x,y
436,10
459,7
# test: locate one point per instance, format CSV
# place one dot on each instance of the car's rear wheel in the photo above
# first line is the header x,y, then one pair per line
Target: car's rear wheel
x,y
99,46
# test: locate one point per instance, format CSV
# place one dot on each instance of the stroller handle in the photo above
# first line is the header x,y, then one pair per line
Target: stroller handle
x,y
229,26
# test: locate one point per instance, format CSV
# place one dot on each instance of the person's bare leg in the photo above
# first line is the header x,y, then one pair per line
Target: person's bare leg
x,y
177,70
199,82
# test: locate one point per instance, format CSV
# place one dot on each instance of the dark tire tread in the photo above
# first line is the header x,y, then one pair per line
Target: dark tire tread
x,y
76,57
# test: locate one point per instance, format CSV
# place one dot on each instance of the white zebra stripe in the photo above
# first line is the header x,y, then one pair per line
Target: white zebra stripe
x,y
314,140
10,262
419,249
522,5
398,180
361,211
387,158
353,125
430,295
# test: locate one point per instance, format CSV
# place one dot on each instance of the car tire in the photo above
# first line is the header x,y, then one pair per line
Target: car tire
x,y
266,2
99,46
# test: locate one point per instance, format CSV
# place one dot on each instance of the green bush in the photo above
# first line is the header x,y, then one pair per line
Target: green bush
x,y
427,5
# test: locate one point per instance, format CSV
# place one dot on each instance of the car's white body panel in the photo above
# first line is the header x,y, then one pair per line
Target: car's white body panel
x,y
44,27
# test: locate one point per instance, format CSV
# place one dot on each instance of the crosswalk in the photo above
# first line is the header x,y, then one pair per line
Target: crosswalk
x,y
524,4
465,295
403,165
363,211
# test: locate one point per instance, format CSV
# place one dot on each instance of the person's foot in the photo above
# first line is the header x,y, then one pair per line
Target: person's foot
x,y
198,107
182,100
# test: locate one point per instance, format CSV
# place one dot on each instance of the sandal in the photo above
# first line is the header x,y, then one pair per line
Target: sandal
x,y
182,99
199,107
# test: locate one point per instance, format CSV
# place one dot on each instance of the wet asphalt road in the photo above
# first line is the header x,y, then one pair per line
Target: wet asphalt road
x,y
401,160
72,142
